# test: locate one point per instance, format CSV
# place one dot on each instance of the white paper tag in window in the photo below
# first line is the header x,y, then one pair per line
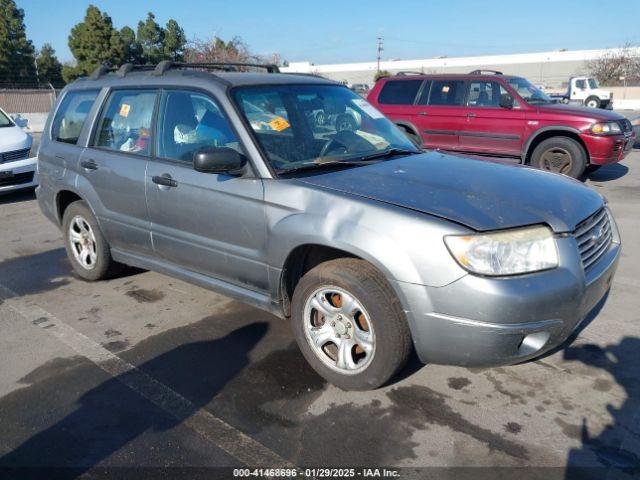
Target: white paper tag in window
x,y
367,108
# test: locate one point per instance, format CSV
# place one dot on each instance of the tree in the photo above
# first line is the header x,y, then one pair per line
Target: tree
x,y
132,49
93,42
150,36
217,50
381,74
49,67
17,60
613,64
175,42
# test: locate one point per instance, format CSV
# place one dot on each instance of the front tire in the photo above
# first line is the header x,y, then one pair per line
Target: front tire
x,y
349,324
592,102
560,155
86,247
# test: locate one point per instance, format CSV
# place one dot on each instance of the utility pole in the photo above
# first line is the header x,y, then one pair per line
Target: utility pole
x,y
380,49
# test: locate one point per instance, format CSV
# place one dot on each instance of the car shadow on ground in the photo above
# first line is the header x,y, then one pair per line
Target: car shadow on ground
x,y
608,173
615,447
18,196
112,415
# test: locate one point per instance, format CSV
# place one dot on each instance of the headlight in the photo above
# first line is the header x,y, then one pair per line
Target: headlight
x,y
509,252
606,128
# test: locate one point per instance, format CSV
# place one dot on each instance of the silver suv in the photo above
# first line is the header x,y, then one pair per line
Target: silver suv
x,y
371,247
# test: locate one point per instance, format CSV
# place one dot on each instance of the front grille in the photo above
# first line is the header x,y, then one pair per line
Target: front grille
x,y
625,125
15,155
17,179
594,237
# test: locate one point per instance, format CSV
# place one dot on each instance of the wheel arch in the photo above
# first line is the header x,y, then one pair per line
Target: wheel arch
x,y
64,198
548,132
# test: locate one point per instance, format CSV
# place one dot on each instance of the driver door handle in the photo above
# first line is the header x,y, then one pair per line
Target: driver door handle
x,y
164,180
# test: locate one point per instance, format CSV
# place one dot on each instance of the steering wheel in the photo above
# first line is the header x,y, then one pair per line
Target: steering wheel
x,y
345,142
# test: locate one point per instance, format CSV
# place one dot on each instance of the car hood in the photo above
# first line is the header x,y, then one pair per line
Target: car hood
x,y
482,195
595,113
13,138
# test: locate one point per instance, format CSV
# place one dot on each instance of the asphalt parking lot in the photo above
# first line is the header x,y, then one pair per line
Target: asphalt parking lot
x,y
144,370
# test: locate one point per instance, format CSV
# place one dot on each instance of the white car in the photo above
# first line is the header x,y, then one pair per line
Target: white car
x,y
17,169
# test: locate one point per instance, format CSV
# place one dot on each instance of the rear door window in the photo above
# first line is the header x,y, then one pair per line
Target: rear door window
x,y
447,93
125,121
399,92
71,115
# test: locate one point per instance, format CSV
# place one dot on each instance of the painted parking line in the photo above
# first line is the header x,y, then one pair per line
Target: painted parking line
x,y
215,430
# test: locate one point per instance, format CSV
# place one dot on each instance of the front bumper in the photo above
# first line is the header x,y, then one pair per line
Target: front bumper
x,y
18,175
483,321
606,149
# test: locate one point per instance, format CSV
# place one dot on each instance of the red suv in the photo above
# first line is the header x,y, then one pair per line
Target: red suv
x,y
500,115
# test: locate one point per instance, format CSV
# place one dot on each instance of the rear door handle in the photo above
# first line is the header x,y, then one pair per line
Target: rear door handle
x,y
89,165
422,113
471,115
164,180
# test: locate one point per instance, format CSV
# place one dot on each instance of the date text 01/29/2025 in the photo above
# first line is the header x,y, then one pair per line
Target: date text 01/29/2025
x,y
316,473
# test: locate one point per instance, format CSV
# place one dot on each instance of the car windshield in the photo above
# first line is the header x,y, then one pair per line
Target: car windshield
x,y
529,93
302,127
5,121
592,83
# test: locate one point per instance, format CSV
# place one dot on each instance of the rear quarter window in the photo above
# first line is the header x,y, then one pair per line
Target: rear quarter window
x,y
399,92
71,115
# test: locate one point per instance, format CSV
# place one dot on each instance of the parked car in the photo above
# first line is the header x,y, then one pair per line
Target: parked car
x,y
361,89
17,170
585,91
635,123
500,115
368,245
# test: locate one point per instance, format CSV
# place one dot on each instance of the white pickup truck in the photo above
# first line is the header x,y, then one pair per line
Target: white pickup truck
x,y
585,91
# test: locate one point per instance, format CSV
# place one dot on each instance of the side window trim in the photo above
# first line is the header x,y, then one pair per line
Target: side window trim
x,y
91,141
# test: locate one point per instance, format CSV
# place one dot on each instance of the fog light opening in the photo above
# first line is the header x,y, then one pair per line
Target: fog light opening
x,y
533,342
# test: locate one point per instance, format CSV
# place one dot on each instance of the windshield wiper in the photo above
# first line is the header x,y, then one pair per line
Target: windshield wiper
x,y
389,152
320,165
358,161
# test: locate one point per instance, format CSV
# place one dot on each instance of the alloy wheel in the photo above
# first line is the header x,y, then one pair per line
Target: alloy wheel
x,y
83,242
339,331
556,159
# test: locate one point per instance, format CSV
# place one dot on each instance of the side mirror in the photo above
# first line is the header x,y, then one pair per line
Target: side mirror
x,y
506,101
218,160
19,121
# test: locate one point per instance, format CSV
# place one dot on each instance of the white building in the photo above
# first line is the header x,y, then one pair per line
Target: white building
x,y
551,69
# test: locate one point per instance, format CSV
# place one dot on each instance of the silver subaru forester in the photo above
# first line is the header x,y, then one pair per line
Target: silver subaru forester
x,y
370,246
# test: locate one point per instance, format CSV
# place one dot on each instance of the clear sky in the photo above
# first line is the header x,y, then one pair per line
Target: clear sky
x,y
334,31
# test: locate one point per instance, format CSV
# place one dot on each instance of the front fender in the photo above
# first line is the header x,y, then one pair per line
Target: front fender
x,y
405,245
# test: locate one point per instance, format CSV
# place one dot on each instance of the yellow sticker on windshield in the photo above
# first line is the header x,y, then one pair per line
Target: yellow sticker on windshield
x,y
279,124
124,109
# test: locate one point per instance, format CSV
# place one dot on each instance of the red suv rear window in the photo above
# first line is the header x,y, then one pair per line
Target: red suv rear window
x,y
399,92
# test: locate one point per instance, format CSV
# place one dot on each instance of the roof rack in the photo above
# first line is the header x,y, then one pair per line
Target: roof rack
x,y
483,71
167,65
405,73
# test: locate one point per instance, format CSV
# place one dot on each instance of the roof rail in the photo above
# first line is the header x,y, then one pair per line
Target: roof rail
x,y
166,65
405,73
483,71
99,71
129,67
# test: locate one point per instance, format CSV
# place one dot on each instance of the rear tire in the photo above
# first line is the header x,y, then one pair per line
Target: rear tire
x,y
86,247
560,155
349,324
592,102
